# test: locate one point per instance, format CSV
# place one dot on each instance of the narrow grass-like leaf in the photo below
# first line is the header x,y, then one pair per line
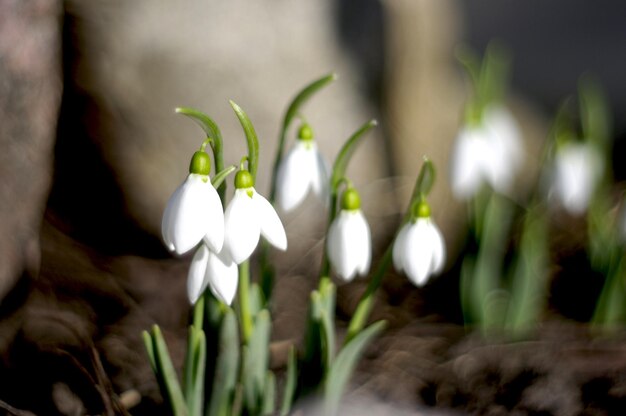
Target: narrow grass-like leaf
x,y
225,381
149,344
166,369
343,366
196,400
251,138
256,360
269,394
290,383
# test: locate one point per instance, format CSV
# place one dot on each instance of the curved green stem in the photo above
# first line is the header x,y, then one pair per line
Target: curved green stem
x,y
337,177
219,178
251,138
245,316
214,137
290,114
422,187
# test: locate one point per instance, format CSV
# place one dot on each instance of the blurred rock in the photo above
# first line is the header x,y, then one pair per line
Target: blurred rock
x,y
137,61
30,92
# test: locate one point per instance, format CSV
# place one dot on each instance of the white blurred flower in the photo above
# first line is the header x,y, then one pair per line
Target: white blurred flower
x,y
248,216
301,170
488,152
419,250
577,170
193,212
349,246
216,270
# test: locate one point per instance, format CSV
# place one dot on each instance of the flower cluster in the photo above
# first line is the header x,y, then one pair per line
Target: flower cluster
x,y
194,213
487,151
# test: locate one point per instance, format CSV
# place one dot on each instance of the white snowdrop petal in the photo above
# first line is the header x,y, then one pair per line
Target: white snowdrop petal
x,y
467,162
418,252
362,239
293,180
398,248
320,175
438,249
190,219
195,277
338,250
271,226
222,276
577,170
241,226
168,220
214,236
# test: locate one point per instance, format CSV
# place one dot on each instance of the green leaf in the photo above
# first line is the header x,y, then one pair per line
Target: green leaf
x,y
530,277
256,360
196,400
269,394
168,374
344,365
327,319
256,299
290,383
595,114
149,344
251,138
488,272
213,132
225,380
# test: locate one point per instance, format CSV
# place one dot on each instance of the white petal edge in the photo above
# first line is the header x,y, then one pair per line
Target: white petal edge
x,y
270,225
214,236
196,276
293,178
222,276
418,252
438,249
398,248
168,218
189,214
242,226
339,249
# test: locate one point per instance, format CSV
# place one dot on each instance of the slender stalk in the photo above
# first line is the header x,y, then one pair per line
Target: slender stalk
x,y
245,317
423,185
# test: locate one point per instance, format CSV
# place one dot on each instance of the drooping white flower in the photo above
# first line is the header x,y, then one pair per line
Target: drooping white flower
x,y
248,216
215,270
194,211
577,170
303,169
419,250
349,246
488,152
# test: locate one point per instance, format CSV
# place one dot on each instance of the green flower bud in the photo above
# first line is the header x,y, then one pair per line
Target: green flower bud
x,y
306,132
421,210
243,180
350,200
200,163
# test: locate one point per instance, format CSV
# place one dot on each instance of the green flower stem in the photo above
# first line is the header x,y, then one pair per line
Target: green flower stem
x,y
290,114
337,177
423,185
251,138
198,313
245,316
213,133
267,270
364,307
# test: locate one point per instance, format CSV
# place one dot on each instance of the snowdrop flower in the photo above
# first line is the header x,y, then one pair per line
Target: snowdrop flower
x,y
419,250
194,211
489,151
247,217
349,246
301,170
577,170
215,270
